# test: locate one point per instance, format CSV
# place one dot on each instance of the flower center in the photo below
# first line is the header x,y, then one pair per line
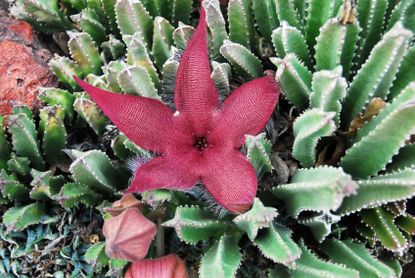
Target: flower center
x,y
201,143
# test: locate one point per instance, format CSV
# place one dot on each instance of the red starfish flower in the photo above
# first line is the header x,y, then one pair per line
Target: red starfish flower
x,y
201,141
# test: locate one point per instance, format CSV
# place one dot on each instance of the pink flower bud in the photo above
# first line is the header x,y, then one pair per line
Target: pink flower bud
x,y
128,235
127,201
170,266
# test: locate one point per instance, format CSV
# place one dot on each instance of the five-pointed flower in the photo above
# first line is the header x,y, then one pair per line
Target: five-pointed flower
x,y
202,139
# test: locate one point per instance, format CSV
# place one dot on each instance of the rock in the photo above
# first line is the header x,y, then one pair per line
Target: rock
x,y
23,64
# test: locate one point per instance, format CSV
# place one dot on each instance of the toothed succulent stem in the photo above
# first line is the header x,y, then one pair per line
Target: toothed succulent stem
x,y
375,77
287,39
277,245
316,189
318,12
192,224
309,265
381,222
309,128
244,61
286,12
294,79
222,259
355,256
380,190
132,17
336,45
24,139
241,29
329,89
258,151
376,136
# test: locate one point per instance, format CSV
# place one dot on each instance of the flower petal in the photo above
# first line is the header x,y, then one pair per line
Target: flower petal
x,y
195,94
178,171
147,122
246,111
230,179
128,235
127,201
170,266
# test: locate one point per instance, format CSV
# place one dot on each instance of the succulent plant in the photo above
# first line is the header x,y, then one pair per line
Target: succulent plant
x,y
199,139
58,247
38,164
344,68
41,171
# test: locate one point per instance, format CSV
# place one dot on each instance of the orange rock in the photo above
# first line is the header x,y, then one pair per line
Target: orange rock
x,y
23,65
23,29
